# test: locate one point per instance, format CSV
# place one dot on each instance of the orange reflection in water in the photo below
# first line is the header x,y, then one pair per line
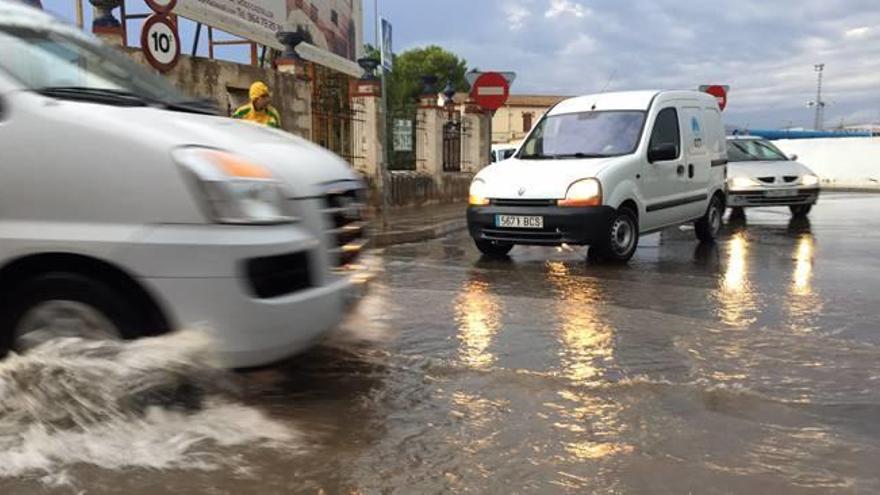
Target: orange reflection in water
x,y
803,304
586,339
478,314
737,301
588,420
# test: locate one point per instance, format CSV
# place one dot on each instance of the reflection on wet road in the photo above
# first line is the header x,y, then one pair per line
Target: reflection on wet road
x,y
748,366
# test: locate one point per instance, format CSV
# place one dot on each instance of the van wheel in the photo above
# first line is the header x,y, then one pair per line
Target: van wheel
x,y
708,227
60,304
493,249
800,211
621,240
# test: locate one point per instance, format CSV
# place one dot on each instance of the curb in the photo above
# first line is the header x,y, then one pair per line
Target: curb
x,y
390,238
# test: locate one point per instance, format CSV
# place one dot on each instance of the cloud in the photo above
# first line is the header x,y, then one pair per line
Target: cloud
x,y
857,33
516,15
565,7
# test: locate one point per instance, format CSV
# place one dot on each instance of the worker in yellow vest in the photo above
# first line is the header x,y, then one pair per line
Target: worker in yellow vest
x,y
259,109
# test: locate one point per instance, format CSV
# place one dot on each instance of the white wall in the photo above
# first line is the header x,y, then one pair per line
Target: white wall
x,y
850,161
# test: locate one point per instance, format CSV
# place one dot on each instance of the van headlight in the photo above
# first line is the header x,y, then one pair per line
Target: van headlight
x,y
737,183
585,192
809,180
477,195
232,189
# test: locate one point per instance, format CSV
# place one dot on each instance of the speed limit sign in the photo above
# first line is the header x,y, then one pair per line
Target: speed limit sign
x,y
161,6
160,42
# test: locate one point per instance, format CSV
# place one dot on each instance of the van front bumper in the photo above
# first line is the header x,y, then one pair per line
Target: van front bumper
x,y
579,226
204,277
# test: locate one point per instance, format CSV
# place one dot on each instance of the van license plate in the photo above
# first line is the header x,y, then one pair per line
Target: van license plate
x,y
519,222
782,193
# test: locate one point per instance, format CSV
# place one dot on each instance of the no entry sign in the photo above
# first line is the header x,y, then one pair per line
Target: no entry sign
x,y
490,91
719,92
160,42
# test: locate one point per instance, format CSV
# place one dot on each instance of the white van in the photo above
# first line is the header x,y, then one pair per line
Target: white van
x,y
602,169
127,211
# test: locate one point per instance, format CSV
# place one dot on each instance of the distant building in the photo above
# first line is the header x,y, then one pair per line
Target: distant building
x,y
874,129
515,119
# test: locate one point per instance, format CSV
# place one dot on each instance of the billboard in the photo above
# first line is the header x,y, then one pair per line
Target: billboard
x,y
331,25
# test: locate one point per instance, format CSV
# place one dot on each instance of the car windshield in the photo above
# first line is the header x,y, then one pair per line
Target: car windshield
x,y
584,135
751,150
72,67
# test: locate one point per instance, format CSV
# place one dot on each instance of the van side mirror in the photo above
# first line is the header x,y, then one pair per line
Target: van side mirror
x,y
662,152
792,158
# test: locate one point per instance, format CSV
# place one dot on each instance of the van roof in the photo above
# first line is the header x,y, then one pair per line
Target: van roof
x,y
623,100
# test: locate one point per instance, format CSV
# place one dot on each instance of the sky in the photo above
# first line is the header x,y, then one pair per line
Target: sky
x,y
765,50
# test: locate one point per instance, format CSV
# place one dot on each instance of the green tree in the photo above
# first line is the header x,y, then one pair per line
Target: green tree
x,y
404,83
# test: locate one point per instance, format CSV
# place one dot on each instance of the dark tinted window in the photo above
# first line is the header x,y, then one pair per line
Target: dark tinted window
x,y
666,130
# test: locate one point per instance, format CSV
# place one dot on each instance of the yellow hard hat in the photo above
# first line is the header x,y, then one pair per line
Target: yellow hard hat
x,y
258,89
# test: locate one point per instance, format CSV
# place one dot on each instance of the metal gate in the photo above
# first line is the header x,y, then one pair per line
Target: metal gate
x,y
332,112
452,146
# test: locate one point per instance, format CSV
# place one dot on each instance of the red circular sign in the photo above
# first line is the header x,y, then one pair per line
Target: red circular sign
x,y
161,6
160,42
720,94
490,91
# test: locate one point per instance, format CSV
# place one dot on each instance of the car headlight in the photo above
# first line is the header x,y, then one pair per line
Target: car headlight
x,y
736,183
477,195
234,190
809,180
585,192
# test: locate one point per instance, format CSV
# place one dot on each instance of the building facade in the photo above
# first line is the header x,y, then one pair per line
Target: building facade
x,y
515,119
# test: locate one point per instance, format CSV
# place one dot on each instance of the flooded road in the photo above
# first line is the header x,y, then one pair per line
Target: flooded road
x,y
750,366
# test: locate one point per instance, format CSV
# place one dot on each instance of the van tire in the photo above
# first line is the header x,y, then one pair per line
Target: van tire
x,y
708,227
493,249
800,211
621,239
121,316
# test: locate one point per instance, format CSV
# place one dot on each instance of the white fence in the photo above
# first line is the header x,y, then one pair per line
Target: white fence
x,y
842,162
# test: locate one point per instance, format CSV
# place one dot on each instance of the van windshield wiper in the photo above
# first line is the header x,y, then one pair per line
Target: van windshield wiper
x,y
95,95
563,156
580,155
537,156
126,98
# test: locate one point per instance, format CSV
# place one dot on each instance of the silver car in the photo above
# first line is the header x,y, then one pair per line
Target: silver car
x,y
760,174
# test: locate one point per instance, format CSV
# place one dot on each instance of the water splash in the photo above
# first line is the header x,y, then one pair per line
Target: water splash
x,y
155,403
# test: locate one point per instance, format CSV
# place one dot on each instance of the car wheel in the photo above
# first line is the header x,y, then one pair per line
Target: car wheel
x,y
55,305
493,249
800,210
708,227
621,240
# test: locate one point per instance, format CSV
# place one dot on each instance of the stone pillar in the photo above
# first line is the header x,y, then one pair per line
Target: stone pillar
x,y
370,142
292,65
429,139
105,26
475,148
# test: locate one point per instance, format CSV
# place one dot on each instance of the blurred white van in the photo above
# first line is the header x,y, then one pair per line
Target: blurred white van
x,y
127,210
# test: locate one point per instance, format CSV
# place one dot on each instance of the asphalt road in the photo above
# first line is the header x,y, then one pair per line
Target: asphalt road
x,y
751,366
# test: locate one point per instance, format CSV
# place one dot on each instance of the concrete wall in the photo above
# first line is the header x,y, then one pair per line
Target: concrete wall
x,y
227,84
845,161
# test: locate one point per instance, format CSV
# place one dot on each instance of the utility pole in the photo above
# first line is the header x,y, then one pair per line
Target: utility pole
x,y
818,103
384,176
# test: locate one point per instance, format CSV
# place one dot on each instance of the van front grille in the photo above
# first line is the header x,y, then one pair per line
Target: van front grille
x,y
347,235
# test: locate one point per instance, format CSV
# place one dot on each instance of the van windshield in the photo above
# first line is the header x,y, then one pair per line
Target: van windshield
x,y
585,135
68,67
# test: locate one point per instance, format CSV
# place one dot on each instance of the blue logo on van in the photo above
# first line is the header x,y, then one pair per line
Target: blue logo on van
x,y
695,126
